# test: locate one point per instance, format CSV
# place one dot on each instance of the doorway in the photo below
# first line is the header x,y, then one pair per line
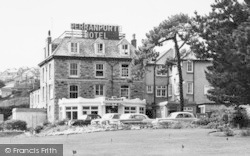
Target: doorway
x,y
111,109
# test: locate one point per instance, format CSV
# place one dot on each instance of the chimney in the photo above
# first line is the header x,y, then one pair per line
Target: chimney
x,y
49,38
133,41
49,50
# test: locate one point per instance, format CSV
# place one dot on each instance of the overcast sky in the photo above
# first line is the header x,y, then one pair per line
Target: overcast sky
x,y
25,23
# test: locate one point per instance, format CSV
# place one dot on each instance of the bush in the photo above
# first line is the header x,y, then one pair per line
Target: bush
x,y
62,122
46,123
38,129
1,127
228,132
15,125
202,121
245,132
239,118
176,125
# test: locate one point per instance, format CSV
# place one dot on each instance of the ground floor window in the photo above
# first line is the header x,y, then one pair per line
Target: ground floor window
x,y
142,110
71,113
129,109
90,110
188,109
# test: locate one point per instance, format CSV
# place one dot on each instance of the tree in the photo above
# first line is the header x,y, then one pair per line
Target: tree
x,y
224,37
1,84
174,29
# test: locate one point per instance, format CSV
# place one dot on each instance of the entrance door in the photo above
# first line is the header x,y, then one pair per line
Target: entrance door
x,y
111,109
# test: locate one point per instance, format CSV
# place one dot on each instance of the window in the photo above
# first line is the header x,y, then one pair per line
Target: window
x,y
51,92
74,47
188,109
125,91
129,109
49,71
190,66
142,110
149,89
89,110
73,91
43,76
99,70
160,71
125,49
43,94
125,70
71,113
73,69
189,87
99,90
160,91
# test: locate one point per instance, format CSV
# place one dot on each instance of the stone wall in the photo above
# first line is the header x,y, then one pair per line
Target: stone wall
x,y
86,81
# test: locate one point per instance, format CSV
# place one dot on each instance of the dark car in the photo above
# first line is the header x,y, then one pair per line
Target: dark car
x,y
86,120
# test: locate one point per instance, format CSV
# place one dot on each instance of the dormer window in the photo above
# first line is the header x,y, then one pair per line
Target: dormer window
x,y
74,47
125,50
99,48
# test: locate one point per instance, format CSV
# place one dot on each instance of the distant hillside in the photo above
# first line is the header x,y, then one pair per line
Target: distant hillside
x,y
19,74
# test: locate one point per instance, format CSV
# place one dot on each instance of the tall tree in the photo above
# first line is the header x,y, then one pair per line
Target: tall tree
x,y
174,29
224,37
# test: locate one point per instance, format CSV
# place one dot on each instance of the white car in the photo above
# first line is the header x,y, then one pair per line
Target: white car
x,y
177,117
110,118
134,118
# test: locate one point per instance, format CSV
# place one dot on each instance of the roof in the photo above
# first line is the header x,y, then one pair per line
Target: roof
x,y
87,48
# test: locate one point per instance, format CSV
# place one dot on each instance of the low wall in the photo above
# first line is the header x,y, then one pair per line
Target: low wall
x,y
32,116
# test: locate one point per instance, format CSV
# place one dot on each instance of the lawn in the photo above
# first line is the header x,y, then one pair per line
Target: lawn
x,y
145,142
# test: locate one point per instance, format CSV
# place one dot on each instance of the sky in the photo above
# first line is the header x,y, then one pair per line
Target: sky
x,y
25,23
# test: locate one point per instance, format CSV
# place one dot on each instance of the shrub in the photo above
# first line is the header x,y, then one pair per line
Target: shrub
x,y
228,132
38,129
46,123
1,127
202,121
15,125
245,132
62,122
176,125
239,118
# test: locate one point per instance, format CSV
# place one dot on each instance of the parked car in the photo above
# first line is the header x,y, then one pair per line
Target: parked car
x,y
177,117
86,120
134,118
109,118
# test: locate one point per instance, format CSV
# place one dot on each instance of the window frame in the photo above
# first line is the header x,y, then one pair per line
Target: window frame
x,y
99,89
124,51
150,91
160,89
89,110
73,92
103,70
190,66
75,48
77,69
72,110
128,91
188,88
129,110
122,69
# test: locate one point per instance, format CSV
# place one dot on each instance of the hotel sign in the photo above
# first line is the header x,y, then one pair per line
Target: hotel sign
x,y
94,31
